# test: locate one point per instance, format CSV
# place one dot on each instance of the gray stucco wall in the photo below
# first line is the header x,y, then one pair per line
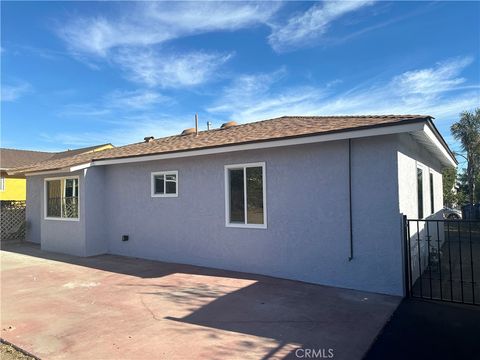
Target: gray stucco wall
x,y
307,237
34,208
94,200
411,156
307,206
61,235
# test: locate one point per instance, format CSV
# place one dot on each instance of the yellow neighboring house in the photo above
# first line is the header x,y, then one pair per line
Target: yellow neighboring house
x,y
13,187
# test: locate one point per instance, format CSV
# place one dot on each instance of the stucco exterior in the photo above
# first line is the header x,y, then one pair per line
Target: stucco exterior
x,y
307,200
410,157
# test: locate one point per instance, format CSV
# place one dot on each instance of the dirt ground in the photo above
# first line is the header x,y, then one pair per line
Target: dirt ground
x,y
8,352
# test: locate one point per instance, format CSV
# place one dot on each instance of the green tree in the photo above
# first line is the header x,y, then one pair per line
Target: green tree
x,y
467,132
449,179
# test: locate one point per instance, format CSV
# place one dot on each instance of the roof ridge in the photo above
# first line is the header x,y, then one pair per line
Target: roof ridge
x,y
36,151
163,138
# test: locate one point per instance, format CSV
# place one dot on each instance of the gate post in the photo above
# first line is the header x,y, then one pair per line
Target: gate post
x,y
406,248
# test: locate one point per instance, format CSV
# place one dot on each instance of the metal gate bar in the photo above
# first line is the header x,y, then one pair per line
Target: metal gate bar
x,y
434,248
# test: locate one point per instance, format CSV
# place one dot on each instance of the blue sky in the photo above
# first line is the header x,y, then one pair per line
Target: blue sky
x,y
80,73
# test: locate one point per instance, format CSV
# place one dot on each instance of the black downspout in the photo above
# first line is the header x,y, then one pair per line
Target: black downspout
x,y
350,258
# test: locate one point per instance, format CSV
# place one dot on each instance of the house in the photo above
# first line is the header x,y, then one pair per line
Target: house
x,y
13,187
316,199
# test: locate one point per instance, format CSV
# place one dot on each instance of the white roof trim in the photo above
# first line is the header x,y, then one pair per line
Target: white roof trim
x,y
47,172
80,167
443,152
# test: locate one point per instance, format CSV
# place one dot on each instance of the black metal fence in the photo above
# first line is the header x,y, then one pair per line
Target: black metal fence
x,y
443,259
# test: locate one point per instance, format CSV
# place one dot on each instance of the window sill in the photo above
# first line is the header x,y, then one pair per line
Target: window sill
x,y
165,195
247,226
62,219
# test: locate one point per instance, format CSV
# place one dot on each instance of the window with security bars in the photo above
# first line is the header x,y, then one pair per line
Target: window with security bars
x,y
62,198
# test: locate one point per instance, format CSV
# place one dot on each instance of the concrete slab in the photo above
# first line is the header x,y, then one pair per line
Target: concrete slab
x,y
112,307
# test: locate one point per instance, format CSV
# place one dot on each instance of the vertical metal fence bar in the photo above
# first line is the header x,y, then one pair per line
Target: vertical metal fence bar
x,y
449,259
409,258
419,258
405,255
429,260
460,255
435,256
471,261
439,254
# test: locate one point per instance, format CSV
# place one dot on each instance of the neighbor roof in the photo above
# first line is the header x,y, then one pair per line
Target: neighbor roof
x,y
70,153
12,158
286,127
15,158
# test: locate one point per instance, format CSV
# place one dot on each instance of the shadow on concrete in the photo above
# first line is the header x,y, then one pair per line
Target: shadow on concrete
x,y
123,264
424,329
292,314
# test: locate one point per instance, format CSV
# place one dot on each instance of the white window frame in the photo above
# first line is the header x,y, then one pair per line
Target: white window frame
x,y
61,178
421,167
164,173
431,187
227,196
2,183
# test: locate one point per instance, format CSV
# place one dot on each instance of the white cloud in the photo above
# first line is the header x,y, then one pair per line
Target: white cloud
x,y
83,110
155,69
135,40
118,100
247,88
153,23
127,130
436,91
137,99
443,77
312,24
251,97
14,92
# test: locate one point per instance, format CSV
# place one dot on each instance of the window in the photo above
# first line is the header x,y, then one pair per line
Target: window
x,y
245,195
61,198
165,184
432,195
2,183
420,192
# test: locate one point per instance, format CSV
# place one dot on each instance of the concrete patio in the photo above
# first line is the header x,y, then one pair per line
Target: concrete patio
x,y
112,307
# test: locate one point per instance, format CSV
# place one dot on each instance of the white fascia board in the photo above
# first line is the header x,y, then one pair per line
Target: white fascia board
x,y
431,135
385,130
80,167
58,171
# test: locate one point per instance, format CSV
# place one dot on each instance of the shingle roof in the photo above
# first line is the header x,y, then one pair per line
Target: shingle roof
x,y
15,158
11,158
69,153
266,130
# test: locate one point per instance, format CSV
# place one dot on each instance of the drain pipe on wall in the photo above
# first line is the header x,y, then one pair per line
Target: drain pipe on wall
x,y
350,258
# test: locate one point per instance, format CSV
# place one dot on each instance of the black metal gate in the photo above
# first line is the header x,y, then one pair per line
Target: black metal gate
x,y
442,260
